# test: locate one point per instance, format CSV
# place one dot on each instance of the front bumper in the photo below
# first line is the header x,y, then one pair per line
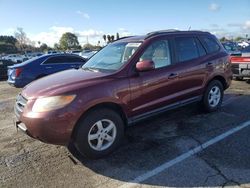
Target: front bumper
x,y
53,127
241,69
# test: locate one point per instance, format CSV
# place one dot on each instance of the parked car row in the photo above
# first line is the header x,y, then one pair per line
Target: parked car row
x,y
241,64
4,67
16,58
22,74
240,58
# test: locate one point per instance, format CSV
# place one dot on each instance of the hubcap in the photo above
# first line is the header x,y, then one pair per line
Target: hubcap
x,y
102,135
214,96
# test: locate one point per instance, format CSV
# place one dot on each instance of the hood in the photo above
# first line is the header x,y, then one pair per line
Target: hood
x,y
61,83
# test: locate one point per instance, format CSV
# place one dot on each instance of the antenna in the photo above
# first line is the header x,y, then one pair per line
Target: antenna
x,y
189,28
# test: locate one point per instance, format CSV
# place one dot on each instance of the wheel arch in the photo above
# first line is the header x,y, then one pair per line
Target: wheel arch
x,y
109,105
219,78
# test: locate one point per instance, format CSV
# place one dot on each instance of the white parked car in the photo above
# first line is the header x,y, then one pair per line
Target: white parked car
x,y
15,58
243,44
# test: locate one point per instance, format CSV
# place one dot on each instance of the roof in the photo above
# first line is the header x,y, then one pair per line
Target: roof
x,y
159,33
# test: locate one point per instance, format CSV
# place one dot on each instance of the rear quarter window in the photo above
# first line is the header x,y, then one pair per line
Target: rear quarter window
x,y
210,44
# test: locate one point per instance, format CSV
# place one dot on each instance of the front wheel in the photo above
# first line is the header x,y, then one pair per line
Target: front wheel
x,y
213,96
99,133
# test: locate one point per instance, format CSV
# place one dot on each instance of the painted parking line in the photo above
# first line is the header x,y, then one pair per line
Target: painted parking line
x,y
184,156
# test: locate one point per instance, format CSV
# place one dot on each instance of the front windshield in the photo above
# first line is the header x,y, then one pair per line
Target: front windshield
x,y
112,57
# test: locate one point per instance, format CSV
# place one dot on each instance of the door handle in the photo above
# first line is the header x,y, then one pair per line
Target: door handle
x,y
173,75
48,67
209,64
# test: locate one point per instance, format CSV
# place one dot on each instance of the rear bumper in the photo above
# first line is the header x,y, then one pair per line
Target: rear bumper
x,y
19,83
241,69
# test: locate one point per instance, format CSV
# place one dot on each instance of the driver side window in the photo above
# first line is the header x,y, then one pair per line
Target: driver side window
x,y
159,53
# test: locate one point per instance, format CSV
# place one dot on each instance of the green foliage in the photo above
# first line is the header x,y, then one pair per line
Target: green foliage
x,y
117,36
104,37
91,47
8,44
7,48
44,47
8,39
69,41
223,39
239,38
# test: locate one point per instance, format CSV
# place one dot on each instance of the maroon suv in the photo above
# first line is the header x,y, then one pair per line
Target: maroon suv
x,y
127,81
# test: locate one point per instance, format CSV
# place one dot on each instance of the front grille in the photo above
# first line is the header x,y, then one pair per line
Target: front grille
x,y
20,104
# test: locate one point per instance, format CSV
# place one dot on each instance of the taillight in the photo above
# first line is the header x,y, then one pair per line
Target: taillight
x,y
240,59
18,72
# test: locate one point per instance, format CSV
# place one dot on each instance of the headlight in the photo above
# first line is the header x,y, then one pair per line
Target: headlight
x,y
52,103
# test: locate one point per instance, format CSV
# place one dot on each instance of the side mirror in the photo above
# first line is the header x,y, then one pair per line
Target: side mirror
x,y
145,65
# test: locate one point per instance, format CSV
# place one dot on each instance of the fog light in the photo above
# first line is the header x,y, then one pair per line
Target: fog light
x,y
22,126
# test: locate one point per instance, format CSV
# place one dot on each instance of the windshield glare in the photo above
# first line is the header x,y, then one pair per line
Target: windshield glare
x,y
112,57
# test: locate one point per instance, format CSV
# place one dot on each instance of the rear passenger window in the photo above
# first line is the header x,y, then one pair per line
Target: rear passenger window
x,y
55,60
74,60
186,48
210,44
64,59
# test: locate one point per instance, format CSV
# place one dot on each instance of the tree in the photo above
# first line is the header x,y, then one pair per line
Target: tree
x,y
44,47
22,39
56,46
8,39
117,36
109,38
112,38
8,44
238,38
104,37
223,39
89,46
69,41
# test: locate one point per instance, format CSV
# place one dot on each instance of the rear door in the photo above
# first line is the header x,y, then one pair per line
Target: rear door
x,y
191,67
153,90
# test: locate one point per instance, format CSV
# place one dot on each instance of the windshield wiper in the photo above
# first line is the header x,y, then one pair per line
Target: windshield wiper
x,y
92,69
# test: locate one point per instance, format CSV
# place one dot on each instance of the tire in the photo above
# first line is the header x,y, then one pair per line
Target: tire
x,y
213,96
94,130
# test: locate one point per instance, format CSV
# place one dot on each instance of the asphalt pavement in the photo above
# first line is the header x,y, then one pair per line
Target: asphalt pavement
x,y
180,148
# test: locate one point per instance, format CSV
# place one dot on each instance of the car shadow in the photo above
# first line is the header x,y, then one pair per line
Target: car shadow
x,y
162,138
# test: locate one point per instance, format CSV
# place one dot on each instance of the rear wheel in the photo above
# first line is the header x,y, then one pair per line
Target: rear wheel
x,y
213,96
99,133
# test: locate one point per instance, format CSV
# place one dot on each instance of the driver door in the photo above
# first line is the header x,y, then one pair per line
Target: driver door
x,y
156,88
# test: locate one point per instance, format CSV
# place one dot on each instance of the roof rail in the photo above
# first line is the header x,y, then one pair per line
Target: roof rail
x,y
123,38
161,32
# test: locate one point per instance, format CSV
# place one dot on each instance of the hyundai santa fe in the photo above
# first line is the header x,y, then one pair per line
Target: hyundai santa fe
x,y
129,80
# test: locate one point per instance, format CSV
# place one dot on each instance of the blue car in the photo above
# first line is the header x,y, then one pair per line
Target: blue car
x,y
21,74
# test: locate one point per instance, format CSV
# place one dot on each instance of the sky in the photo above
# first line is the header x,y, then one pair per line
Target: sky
x,y
47,20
